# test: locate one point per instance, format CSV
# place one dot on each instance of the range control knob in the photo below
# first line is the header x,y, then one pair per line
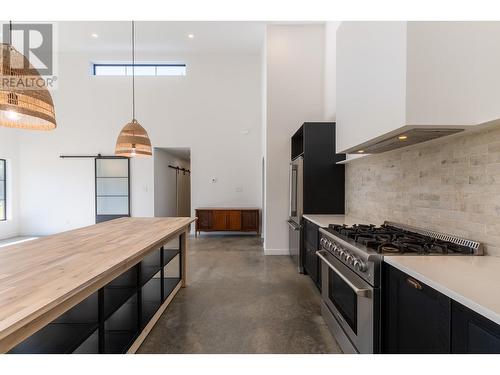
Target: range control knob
x,y
328,245
360,265
351,260
322,241
340,252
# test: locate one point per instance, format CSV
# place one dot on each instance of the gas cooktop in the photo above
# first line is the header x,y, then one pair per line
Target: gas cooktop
x,y
362,248
388,239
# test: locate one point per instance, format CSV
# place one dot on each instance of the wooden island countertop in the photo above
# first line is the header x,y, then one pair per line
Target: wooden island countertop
x,y
43,278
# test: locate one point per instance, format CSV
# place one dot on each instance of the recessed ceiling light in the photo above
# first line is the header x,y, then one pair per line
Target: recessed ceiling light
x,y
94,35
361,151
402,137
191,36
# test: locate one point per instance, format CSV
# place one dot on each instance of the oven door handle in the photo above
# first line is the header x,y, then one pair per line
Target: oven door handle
x,y
363,292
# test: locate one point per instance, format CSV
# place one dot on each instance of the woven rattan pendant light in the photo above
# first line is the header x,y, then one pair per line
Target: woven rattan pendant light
x,y
133,140
20,107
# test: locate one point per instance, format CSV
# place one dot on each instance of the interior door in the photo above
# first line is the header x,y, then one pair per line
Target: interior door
x,y
112,188
183,194
219,220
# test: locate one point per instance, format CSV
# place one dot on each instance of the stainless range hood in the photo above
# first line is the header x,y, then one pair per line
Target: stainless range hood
x,y
403,137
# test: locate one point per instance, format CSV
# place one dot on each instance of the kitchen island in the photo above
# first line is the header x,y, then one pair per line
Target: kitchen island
x,y
98,289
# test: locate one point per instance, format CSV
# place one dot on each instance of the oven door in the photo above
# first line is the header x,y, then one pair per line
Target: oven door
x,y
351,303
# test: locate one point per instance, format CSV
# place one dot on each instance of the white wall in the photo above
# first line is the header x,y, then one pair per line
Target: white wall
x,y
263,61
206,111
9,150
165,182
295,91
330,85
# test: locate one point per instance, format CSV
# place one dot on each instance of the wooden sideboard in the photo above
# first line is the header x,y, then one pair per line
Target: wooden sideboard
x,y
227,220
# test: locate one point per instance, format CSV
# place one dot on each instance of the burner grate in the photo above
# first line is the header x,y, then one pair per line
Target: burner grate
x,y
476,247
398,238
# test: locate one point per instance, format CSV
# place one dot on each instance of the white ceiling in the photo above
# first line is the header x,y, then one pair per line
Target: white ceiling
x,y
179,152
209,37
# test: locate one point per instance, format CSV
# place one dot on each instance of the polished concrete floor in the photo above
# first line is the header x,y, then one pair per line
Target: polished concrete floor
x,y
240,301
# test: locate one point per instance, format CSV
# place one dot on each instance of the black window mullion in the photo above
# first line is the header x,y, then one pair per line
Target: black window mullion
x,y
3,198
125,65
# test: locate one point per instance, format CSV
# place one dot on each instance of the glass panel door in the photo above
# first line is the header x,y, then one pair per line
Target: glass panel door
x,y
112,188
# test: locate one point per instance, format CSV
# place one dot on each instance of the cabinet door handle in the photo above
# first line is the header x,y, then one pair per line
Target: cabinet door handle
x,y
414,283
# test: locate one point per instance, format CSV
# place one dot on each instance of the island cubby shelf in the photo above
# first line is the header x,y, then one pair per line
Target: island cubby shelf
x,y
112,318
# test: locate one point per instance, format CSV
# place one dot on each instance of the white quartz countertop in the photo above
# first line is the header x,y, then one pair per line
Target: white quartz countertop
x,y
324,220
473,281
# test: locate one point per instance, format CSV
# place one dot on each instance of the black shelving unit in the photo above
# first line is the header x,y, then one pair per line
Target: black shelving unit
x,y
109,320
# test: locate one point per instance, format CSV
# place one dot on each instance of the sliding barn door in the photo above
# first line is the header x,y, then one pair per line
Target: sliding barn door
x,y
112,186
183,194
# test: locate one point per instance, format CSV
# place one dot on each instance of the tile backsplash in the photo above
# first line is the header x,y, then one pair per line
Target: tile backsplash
x,y
450,185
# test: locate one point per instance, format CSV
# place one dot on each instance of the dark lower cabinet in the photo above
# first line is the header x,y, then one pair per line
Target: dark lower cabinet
x,y
312,265
416,318
473,333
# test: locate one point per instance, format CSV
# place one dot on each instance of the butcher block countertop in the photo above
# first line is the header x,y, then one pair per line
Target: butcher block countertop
x,y
43,278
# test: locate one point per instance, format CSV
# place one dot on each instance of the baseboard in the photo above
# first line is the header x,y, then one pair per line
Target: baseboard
x,y
276,252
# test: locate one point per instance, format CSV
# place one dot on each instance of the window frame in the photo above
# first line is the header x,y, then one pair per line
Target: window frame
x,y
4,162
137,65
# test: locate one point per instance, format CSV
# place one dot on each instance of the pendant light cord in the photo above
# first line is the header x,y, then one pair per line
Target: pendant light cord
x,y
10,32
133,70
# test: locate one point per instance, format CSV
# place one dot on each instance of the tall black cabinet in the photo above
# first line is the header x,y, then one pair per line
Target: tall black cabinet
x,y
323,179
323,185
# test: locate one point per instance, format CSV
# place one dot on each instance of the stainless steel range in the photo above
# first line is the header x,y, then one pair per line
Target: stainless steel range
x,y
351,259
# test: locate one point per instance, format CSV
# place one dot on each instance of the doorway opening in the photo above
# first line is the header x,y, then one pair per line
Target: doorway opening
x,y
172,182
